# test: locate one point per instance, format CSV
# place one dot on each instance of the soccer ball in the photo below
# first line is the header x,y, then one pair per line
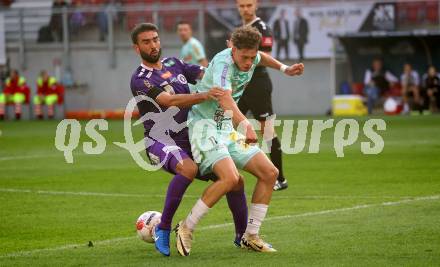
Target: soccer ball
x,y
392,106
146,223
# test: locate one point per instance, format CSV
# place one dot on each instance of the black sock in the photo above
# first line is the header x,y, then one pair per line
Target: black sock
x,y
276,157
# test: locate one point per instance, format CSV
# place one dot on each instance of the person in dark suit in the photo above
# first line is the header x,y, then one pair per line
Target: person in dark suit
x,y
281,31
300,32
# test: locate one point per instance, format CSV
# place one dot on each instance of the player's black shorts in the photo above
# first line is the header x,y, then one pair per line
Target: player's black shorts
x,y
257,97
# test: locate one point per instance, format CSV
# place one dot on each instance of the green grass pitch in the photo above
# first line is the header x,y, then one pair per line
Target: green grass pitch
x,y
360,210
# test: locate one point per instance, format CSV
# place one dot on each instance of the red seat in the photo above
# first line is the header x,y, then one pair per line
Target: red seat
x,y
412,10
60,93
432,12
395,90
357,88
136,17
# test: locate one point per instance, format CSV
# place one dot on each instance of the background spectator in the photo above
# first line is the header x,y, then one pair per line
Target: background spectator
x,y
300,33
77,19
108,9
192,50
56,20
281,32
432,89
410,82
15,92
47,94
377,81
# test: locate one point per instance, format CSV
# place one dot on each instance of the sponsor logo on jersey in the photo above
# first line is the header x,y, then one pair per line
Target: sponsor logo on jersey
x,y
266,41
166,75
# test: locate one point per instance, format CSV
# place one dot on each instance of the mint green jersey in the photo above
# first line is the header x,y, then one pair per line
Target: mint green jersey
x,y
211,132
221,72
192,51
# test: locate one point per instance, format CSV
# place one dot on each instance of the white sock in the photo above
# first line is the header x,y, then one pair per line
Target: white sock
x,y
257,212
198,211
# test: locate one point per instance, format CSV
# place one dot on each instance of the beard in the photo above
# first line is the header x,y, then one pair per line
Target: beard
x,y
150,58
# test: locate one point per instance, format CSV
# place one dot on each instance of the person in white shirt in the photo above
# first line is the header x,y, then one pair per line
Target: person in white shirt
x,y
410,82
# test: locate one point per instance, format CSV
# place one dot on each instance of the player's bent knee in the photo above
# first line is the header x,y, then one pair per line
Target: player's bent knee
x,y
240,184
230,181
271,174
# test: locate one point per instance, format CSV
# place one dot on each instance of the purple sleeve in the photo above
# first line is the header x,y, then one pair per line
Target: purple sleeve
x,y
144,87
191,72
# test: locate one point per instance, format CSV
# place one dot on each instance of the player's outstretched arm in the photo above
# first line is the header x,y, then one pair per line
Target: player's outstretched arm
x,y
186,100
270,62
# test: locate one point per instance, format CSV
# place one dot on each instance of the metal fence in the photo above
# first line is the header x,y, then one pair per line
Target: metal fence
x,y
106,27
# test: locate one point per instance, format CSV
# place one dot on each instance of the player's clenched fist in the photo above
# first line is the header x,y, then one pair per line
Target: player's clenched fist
x,y
251,135
295,69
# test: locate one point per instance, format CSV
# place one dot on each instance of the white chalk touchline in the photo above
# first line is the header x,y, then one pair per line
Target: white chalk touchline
x,y
216,226
57,155
99,194
313,213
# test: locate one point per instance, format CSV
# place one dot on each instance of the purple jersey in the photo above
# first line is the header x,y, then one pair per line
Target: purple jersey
x,y
172,78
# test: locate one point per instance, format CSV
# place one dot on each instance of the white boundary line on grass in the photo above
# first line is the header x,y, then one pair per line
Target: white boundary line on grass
x,y
100,194
216,226
58,155
95,194
29,157
322,212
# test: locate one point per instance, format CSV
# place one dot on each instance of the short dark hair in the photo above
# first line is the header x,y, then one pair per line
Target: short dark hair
x,y
246,37
184,22
140,28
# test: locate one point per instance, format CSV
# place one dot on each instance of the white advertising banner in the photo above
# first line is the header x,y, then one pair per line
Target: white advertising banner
x,y
305,29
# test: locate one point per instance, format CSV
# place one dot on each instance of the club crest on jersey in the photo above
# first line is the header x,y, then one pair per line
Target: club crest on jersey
x,y
181,78
166,75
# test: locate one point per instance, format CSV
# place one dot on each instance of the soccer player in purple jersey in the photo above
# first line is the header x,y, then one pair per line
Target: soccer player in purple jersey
x,y
166,82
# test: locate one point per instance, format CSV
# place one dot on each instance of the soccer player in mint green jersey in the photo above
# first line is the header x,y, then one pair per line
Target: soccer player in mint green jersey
x,y
192,51
218,147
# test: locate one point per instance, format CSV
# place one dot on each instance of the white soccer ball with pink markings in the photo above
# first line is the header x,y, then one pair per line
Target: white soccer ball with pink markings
x,y
145,225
